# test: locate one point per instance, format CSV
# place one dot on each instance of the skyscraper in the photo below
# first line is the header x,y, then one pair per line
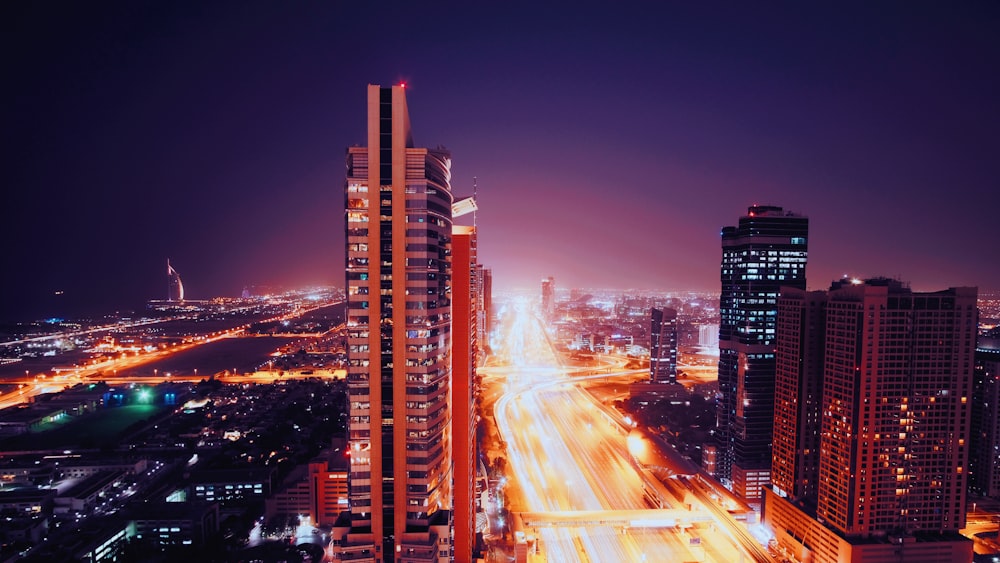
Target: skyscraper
x,y
548,297
663,346
765,251
398,206
465,318
894,414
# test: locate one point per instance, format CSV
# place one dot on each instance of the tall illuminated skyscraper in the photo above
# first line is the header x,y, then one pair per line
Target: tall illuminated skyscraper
x,y
399,228
765,251
893,412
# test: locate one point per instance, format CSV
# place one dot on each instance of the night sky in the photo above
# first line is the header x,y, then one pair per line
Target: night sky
x,y
611,141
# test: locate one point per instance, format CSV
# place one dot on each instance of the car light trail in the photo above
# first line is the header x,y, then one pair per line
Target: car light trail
x,y
565,453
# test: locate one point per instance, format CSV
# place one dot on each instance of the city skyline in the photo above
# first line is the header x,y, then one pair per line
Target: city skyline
x,y
214,136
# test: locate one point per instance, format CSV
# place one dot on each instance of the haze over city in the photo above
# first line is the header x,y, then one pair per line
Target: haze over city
x,y
438,283
610,143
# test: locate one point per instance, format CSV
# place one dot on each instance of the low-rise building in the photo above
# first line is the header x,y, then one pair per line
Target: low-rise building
x,y
232,485
88,493
169,524
27,500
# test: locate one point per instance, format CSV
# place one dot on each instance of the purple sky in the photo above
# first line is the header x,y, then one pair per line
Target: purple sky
x,y
610,141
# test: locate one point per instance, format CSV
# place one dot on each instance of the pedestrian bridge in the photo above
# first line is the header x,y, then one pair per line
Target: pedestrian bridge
x,y
639,518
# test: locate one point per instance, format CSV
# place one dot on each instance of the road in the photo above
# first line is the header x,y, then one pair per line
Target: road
x,y
981,527
566,454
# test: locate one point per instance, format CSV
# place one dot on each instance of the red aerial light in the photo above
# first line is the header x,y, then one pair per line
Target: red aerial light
x,y
402,84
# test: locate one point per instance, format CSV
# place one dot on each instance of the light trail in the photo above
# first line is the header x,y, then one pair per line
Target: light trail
x,y
566,453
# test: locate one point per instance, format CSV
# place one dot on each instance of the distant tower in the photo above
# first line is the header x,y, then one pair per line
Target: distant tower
x,y
763,253
175,288
487,307
548,296
663,346
708,337
797,388
984,458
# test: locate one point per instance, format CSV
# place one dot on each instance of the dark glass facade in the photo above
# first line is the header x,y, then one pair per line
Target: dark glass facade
x,y
663,346
765,251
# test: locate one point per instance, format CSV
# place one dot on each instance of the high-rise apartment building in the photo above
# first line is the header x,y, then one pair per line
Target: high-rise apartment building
x,y
797,390
663,345
399,228
764,252
893,414
486,306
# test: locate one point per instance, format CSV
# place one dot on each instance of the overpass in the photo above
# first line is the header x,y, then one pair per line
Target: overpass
x,y
639,518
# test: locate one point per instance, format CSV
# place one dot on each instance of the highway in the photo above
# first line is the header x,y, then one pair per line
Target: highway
x,y
565,453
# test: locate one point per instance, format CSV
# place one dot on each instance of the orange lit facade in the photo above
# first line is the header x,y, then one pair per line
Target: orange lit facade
x,y
398,207
330,492
321,494
465,309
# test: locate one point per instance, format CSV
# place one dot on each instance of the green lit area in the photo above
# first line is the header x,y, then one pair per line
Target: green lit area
x,y
90,430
